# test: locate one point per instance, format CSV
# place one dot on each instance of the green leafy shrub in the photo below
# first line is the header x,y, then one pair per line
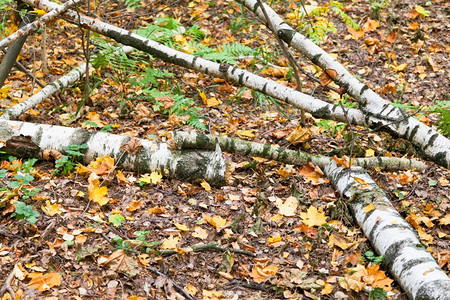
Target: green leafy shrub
x,y
24,211
73,154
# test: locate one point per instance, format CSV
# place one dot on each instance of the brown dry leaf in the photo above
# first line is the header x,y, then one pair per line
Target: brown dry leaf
x,y
299,135
51,154
118,261
102,165
287,208
134,205
121,178
260,273
355,34
313,217
340,241
312,174
370,25
157,210
132,146
44,282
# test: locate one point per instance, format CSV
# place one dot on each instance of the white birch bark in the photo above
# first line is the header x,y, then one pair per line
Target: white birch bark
x,y
189,140
405,256
316,107
64,81
51,88
433,145
188,165
29,28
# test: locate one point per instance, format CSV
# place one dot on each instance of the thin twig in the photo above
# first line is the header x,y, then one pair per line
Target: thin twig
x,y
287,54
7,285
23,69
176,286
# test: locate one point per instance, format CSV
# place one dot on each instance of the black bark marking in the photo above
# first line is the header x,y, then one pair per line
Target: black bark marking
x,y
364,88
286,35
264,89
427,292
315,59
413,133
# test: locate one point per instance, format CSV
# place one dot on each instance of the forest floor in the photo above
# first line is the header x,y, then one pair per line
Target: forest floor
x,y
137,246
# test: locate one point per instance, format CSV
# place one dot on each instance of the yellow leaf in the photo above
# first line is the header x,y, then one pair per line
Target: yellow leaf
x,y
422,11
190,289
205,185
211,295
181,227
171,242
216,221
39,12
44,282
121,178
398,68
51,209
153,178
327,289
313,217
369,208
275,239
299,135
212,102
287,208
370,152
98,195
200,233
245,133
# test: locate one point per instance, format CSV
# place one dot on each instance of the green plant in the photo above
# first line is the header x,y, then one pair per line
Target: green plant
x,y
121,244
331,127
376,6
316,25
116,219
370,256
24,211
143,242
19,184
73,154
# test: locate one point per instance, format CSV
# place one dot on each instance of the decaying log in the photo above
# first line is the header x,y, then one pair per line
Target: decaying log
x,y
189,140
433,145
406,258
187,165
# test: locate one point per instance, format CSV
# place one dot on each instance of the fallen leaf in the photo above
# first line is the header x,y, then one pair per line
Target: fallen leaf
x,y
287,208
313,217
171,242
44,282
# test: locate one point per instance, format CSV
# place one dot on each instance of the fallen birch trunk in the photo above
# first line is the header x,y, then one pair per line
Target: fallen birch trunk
x,y
187,165
31,27
64,81
316,107
405,256
433,145
189,140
